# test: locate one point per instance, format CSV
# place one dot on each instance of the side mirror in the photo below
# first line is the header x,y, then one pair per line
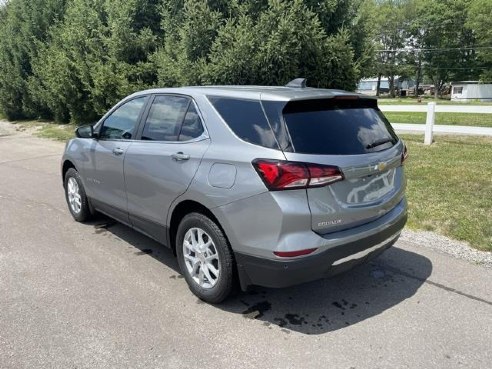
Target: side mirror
x,y
85,132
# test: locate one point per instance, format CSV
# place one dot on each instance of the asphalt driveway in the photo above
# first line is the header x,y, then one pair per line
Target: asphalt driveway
x,y
100,295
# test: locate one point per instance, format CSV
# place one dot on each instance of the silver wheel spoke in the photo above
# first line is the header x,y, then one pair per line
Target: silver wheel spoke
x,y
195,268
194,240
211,258
206,272
188,245
199,238
200,277
190,258
207,244
212,269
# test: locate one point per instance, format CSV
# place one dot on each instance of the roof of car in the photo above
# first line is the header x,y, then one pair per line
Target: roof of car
x,y
275,93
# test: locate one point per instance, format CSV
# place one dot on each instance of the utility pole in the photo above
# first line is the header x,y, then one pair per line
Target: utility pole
x,y
378,85
419,73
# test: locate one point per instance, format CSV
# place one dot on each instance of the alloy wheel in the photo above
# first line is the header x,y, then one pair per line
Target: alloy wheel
x,y
201,257
73,193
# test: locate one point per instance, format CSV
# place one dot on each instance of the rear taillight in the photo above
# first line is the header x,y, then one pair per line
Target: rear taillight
x,y
321,175
404,154
285,175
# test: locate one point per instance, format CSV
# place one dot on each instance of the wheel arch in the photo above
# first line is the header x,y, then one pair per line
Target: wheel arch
x,y
180,211
67,164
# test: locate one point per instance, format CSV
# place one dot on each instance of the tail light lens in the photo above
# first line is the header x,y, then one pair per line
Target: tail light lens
x,y
321,175
404,154
284,175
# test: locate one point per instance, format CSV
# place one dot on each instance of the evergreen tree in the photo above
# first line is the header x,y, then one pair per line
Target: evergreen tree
x,y
251,42
189,32
97,55
73,59
23,29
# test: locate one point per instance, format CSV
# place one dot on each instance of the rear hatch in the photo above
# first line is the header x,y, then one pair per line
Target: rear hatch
x,y
352,134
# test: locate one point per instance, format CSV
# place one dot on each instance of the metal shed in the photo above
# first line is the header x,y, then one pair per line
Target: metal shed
x,y
471,90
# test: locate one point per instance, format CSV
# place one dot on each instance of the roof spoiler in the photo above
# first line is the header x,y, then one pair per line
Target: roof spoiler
x,y
297,83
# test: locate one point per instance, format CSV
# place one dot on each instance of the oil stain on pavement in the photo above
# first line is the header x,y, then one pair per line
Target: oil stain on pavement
x,y
332,304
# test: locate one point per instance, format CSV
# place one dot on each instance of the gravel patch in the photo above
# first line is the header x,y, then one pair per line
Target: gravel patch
x,y
458,249
8,129
5,128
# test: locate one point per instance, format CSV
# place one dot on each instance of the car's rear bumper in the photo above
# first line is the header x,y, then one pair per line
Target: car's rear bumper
x,y
279,273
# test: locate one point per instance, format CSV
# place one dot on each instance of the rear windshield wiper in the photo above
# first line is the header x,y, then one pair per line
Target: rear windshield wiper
x,y
379,142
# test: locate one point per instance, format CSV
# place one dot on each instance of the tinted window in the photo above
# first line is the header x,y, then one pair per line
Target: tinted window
x,y
192,125
165,117
122,122
246,119
337,128
273,110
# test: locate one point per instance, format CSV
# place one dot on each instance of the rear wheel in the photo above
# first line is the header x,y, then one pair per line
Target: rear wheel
x,y
77,201
205,258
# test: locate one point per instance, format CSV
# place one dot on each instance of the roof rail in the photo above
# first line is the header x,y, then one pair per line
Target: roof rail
x,y
297,83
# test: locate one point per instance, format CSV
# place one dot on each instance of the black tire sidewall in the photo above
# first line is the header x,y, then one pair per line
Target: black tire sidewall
x,y
224,285
84,213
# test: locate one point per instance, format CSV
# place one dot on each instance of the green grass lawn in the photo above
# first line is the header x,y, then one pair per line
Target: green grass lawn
x,y
60,132
450,187
460,119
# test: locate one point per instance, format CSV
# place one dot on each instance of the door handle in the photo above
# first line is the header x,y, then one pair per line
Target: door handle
x,y
117,151
179,156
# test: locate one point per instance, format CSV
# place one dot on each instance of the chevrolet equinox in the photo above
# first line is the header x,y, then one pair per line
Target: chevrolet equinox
x,y
248,185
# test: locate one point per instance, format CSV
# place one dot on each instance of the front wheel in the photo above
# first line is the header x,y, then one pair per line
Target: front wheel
x,y
77,201
205,258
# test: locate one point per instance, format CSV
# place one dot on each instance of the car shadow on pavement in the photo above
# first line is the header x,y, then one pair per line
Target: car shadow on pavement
x,y
312,308
142,244
339,302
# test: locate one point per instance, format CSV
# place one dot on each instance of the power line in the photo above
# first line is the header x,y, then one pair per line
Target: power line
x,y
457,68
436,49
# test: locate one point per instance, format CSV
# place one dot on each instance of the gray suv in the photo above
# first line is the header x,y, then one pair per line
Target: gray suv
x,y
248,185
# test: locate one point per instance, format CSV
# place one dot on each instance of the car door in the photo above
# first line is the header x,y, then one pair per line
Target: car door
x,y
104,171
161,165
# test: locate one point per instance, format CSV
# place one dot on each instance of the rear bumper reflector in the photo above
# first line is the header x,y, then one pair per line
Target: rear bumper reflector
x,y
292,254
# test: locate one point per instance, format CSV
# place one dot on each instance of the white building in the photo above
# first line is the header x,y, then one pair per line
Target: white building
x,y
471,90
367,86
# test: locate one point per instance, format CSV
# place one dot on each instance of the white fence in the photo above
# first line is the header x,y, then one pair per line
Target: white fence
x,y
429,128
439,108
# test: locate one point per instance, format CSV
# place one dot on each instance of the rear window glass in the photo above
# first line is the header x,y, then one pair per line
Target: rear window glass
x,y
246,119
337,128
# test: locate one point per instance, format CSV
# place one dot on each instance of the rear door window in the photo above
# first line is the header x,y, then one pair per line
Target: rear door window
x,y
328,127
246,119
165,117
192,125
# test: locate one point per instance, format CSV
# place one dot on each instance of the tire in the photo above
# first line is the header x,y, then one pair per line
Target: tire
x,y
216,289
81,210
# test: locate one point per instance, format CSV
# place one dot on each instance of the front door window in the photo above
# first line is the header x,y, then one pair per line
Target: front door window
x,y
121,124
